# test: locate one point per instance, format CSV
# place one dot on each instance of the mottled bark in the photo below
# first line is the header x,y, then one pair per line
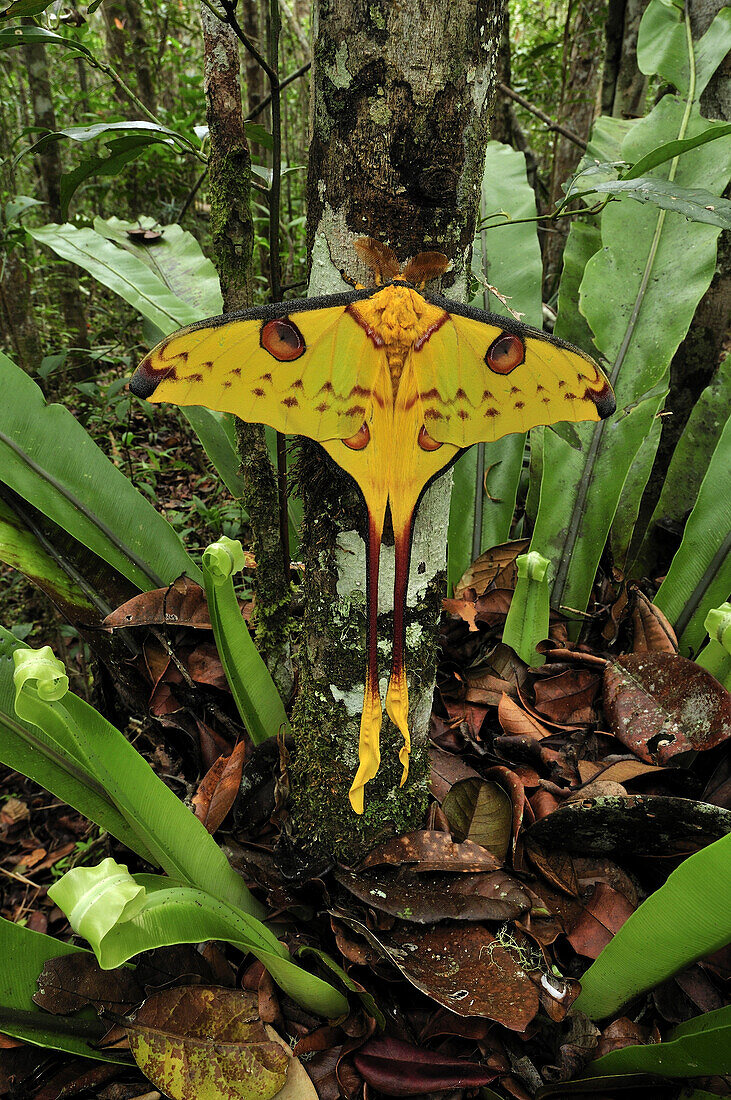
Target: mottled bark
x,y
624,87
402,95
232,232
16,311
577,110
65,279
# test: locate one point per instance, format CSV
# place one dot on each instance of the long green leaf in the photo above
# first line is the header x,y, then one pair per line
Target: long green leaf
x,y
120,921
507,257
639,294
20,549
687,918
252,686
692,202
49,459
54,764
697,1048
662,47
674,149
163,291
690,461
25,954
699,577
20,36
158,820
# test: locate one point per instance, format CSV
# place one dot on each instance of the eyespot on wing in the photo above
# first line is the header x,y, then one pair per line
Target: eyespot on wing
x,y
282,339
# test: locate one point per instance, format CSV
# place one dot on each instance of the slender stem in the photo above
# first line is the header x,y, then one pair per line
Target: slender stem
x,y
229,7
268,98
550,122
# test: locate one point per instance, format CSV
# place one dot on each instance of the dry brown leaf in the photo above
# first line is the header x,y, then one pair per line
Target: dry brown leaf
x,y
219,787
485,569
518,722
652,633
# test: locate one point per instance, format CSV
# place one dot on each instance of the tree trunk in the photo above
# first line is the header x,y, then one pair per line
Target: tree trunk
x,y
577,110
624,87
504,125
401,105
130,50
232,231
66,282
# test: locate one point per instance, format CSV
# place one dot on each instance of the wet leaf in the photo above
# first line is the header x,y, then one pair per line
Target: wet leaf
x,y
615,771
481,812
219,787
661,705
446,769
497,561
71,982
206,1043
431,850
641,824
493,607
424,899
462,967
183,603
396,1068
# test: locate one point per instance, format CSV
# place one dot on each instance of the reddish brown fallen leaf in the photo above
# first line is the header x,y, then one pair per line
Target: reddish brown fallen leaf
x,y
430,850
69,983
651,630
511,783
616,771
217,791
602,917
493,606
465,609
446,769
205,667
462,967
396,1068
518,722
183,603
424,899
497,562
13,811
661,705
621,1033
569,696
543,803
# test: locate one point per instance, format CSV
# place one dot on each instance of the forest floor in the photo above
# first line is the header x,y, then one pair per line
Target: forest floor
x,y
562,796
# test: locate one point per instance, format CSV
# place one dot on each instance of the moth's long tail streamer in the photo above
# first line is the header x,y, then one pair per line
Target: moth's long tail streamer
x,y
369,751
397,696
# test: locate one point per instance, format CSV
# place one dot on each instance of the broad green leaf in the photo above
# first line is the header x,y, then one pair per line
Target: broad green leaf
x,y
527,620
675,148
25,954
692,202
146,285
699,577
99,757
104,129
638,294
19,36
696,1048
176,259
254,691
688,918
625,518
120,926
691,457
507,257
58,767
584,240
49,459
20,549
662,46
123,273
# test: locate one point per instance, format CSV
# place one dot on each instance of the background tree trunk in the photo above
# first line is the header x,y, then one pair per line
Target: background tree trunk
x,y
401,105
232,232
577,110
66,275
130,50
624,87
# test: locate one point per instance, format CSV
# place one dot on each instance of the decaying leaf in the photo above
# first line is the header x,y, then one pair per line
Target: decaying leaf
x,y
423,899
183,603
431,850
482,812
516,721
397,1068
206,1043
219,787
651,631
496,564
661,705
